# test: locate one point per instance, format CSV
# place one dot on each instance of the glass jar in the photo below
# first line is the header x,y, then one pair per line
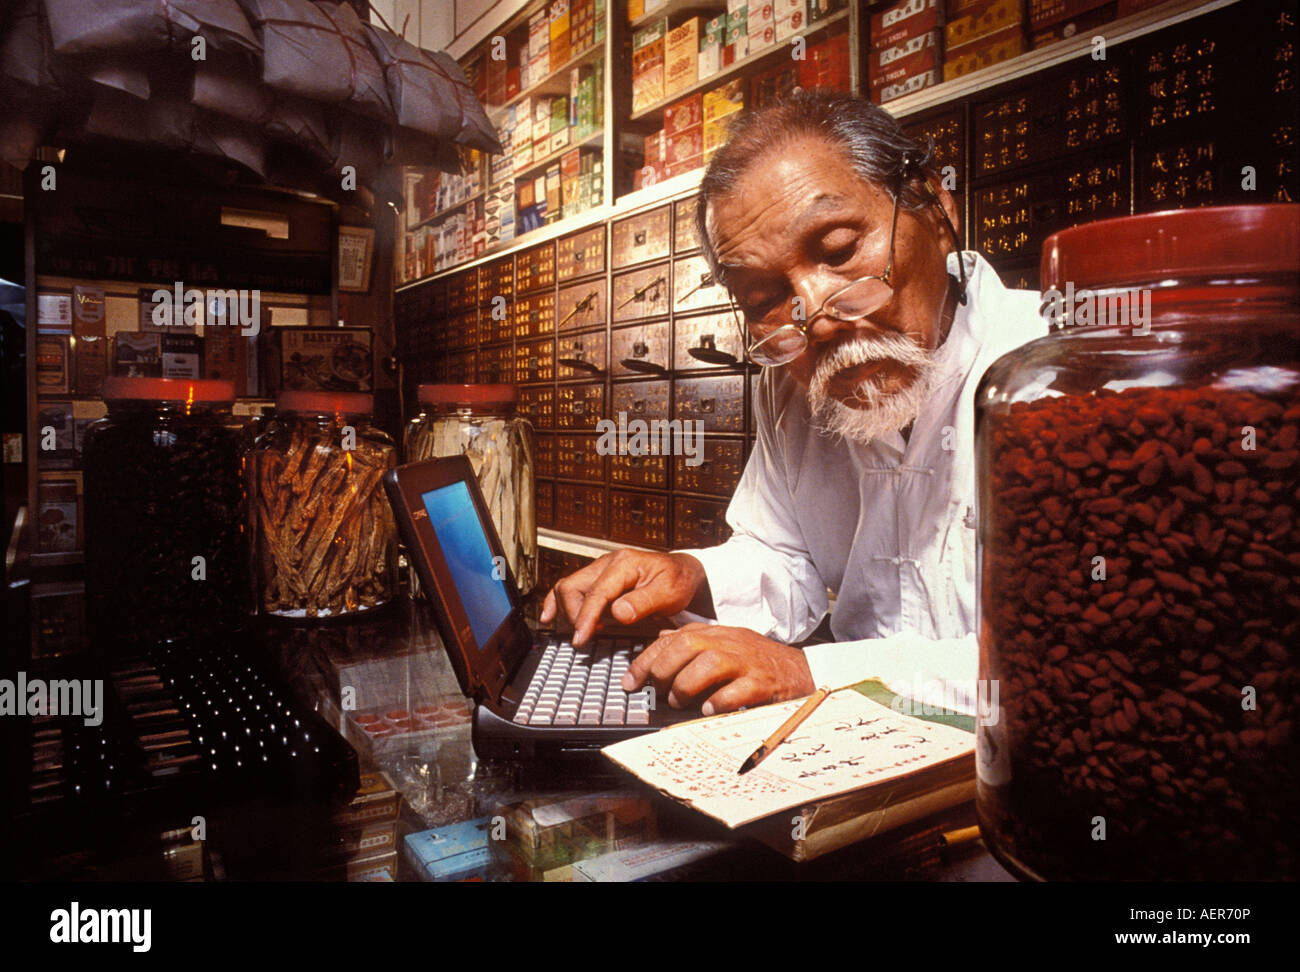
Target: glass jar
x,y
1138,480
164,511
323,536
480,422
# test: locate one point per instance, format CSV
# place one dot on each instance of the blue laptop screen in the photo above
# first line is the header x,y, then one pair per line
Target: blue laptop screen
x,y
469,558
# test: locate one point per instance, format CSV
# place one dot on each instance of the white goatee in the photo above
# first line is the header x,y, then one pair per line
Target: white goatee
x,y
873,412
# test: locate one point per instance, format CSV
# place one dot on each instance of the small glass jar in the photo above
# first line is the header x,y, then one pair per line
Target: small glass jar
x,y
164,511
1139,478
323,537
479,421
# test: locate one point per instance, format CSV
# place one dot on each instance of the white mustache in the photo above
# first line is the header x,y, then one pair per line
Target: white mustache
x,y
875,411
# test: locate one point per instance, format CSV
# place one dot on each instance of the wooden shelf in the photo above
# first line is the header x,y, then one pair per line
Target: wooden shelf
x,y
738,66
595,138
455,207
1070,49
555,83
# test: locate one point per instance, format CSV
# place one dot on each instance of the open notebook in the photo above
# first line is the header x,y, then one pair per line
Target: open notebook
x,y
855,752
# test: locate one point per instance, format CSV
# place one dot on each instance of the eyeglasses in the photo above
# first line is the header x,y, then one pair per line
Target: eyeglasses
x,y
785,342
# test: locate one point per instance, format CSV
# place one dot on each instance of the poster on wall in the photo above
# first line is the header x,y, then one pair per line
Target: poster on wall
x,y
334,359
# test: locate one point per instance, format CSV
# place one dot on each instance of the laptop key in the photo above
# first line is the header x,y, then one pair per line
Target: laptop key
x,y
589,719
638,717
567,719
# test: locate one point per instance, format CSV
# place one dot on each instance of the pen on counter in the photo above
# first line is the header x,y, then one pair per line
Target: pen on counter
x,y
787,727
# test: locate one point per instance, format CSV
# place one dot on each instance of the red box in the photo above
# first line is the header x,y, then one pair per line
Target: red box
x,y
654,147
512,83
903,21
684,145
913,57
1044,13
686,165
827,65
684,114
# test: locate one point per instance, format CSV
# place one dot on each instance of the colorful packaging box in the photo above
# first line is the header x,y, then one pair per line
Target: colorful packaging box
x,y
903,21
456,852
761,25
559,34
791,18
826,66
724,99
711,41
910,86
915,56
982,20
648,65
681,57
991,50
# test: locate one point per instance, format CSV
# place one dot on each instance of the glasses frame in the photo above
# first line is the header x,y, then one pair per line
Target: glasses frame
x,y
909,162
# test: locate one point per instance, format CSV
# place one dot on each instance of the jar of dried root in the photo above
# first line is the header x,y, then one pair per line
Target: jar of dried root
x,y
323,535
479,421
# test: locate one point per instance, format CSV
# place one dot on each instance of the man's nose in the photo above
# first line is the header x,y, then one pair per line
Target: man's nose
x,y
810,293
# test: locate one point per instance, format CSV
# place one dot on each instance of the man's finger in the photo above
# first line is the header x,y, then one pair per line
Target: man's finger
x,y
642,602
617,577
733,695
548,607
644,664
701,673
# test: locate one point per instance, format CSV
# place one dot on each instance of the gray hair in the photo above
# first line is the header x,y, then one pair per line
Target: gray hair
x,y
873,143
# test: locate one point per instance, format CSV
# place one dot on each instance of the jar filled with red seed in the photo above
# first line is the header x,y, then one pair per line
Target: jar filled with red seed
x,y
1139,559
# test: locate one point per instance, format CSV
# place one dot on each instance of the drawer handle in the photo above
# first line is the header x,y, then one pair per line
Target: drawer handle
x,y
707,351
577,256
706,405
706,280
579,506
579,407
637,516
706,524
578,457
640,349
706,467
638,238
638,405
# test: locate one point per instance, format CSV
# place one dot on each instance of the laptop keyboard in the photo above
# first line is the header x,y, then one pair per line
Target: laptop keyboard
x,y
583,687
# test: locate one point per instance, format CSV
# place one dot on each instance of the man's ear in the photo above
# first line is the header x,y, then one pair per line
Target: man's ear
x,y
950,207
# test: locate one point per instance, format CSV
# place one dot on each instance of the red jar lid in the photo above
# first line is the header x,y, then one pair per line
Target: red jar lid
x,y
118,389
326,402
468,394
1218,240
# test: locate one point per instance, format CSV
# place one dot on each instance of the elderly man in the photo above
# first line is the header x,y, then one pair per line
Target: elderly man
x,y
837,242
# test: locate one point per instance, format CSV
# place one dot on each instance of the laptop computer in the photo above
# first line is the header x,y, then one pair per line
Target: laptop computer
x,y
536,695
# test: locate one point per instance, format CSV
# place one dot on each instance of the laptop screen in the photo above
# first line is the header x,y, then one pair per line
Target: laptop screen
x,y
479,582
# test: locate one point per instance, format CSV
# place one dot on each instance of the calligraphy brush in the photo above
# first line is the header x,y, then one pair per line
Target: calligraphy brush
x,y
783,732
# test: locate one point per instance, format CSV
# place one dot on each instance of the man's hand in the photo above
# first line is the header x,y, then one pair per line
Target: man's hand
x,y
654,583
744,667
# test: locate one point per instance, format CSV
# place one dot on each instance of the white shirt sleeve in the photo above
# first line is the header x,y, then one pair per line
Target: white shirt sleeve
x,y
937,671
763,577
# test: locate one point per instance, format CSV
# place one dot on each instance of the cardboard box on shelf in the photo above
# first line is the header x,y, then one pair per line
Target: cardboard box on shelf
x,y
1044,13
648,65
791,18
559,34
915,56
724,99
826,66
539,36
684,114
91,364
993,49
903,21
684,145
681,57
982,20
775,83
53,365
711,41
736,40
909,86
1074,26
716,133
761,25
